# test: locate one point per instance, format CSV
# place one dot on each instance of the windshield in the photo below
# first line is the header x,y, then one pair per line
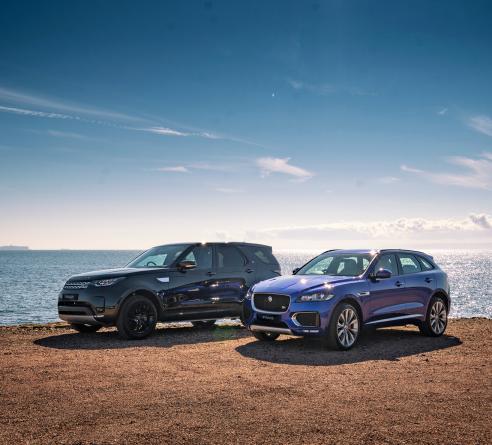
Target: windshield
x,y
162,256
337,264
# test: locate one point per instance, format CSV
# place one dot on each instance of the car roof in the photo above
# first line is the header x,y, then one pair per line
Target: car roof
x,y
348,251
237,243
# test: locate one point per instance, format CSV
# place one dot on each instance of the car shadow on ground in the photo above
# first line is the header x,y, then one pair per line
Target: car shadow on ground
x,y
164,337
383,344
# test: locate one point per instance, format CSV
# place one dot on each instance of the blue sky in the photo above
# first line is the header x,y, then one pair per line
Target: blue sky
x,y
305,125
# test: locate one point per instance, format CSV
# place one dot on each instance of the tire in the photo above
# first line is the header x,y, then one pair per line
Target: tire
x,y
137,318
203,324
345,327
85,328
266,336
436,320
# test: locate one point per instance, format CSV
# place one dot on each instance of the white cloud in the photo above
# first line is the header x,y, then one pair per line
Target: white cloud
x,y
478,172
482,124
482,220
281,165
174,169
475,223
442,111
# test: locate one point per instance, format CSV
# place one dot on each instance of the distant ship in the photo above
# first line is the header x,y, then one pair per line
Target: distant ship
x,y
14,248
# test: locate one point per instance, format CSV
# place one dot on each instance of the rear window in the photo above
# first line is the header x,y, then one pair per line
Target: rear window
x,y
409,264
262,254
426,265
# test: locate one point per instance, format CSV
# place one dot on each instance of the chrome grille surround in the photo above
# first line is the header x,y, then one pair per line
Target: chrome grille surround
x,y
76,285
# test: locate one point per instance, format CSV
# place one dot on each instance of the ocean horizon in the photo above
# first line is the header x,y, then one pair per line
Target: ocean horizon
x,y
30,280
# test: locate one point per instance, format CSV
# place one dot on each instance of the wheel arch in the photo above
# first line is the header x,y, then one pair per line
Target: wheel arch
x,y
144,293
355,302
444,295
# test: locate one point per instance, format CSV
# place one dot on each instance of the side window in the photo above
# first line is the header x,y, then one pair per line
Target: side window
x,y
425,264
409,263
202,256
387,262
228,257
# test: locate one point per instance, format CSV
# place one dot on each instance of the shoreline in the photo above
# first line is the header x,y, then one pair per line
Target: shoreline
x,y
50,325
186,385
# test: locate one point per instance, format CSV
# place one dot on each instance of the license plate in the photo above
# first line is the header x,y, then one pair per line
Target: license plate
x,y
71,297
267,317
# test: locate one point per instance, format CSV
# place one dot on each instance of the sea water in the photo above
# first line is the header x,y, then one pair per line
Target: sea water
x,y
30,280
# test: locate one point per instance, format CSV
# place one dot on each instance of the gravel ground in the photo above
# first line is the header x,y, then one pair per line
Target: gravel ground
x,y
191,386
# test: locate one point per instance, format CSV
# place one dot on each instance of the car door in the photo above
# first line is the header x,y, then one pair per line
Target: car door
x,y
385,296
189,294
419,283
229,286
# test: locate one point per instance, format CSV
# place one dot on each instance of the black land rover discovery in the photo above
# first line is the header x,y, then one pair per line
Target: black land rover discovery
x,y
194,282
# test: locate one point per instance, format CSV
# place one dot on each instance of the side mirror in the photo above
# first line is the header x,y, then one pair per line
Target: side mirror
x,y
186,265
382,274
297,269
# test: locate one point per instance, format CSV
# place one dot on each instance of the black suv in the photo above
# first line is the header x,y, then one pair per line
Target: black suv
x,y
194,282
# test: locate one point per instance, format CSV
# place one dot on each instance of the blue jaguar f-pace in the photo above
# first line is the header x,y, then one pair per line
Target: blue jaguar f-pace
x,y
337,293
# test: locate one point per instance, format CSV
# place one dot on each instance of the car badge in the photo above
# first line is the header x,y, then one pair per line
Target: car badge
x,y
269,298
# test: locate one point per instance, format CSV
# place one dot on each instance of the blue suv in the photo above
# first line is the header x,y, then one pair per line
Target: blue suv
x,y
337,293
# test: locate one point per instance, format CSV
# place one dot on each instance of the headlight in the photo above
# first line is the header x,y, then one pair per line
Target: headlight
x,y
107,282
319,296
249,294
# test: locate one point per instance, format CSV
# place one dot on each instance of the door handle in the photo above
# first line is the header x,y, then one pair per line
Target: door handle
x,y
398,284
249,270
428,279
210,274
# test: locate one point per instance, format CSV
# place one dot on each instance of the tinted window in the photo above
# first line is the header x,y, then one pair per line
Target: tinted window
x,y
202,256
409,263
161,256
425,264
229,257
387,262
264,256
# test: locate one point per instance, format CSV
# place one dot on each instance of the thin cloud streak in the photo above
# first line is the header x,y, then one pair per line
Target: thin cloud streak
x,y
270,165
482,124
174,169
479,175
18,97
325,89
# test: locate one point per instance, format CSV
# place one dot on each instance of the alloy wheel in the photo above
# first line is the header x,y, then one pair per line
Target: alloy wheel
x,y
438,317
347,327
140,317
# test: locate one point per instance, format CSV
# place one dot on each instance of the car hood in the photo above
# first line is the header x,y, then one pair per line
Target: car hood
x,y
291,284
114,273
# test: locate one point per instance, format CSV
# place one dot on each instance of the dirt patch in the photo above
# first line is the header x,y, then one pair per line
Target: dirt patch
x,y
187,385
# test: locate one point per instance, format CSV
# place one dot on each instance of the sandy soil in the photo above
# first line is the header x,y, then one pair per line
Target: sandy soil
x,y
186,386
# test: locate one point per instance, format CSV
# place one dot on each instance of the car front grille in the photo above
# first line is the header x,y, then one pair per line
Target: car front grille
x,y
271,302
76,285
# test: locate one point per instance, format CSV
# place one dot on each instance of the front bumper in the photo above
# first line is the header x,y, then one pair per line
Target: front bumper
x,y
95,306
300,319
